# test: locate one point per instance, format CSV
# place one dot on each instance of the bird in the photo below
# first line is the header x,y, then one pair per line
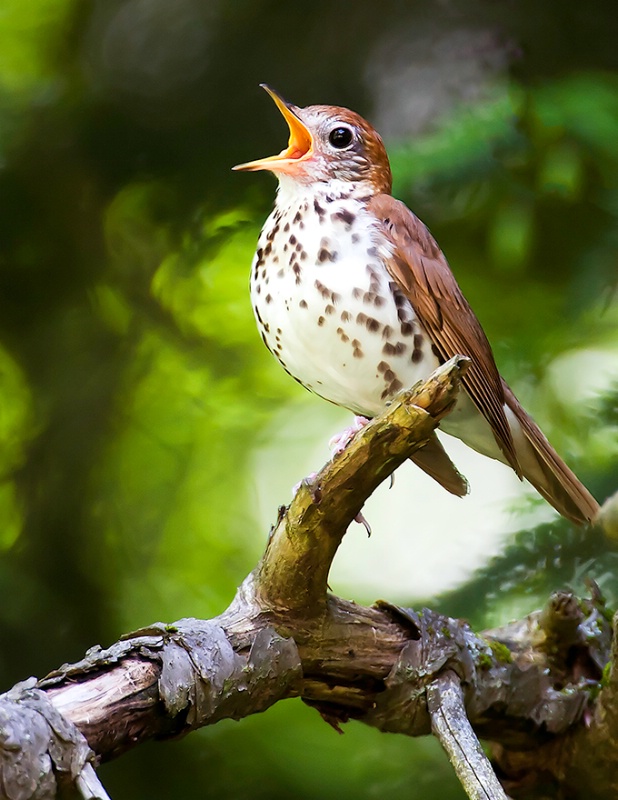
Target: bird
x,y
354,297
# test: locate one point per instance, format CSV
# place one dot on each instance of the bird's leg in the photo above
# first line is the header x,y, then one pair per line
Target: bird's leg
x,y
340,441
338,444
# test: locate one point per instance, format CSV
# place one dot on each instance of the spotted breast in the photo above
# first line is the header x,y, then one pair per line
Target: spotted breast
x,y
326,307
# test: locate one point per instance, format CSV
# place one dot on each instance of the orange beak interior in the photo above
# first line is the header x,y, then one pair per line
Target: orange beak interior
x,y
300,143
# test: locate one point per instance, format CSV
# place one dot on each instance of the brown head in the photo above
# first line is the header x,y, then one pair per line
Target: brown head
x,y
327,143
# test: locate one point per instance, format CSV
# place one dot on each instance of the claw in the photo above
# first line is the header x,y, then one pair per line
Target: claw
x,y
362,521
311,477
340,441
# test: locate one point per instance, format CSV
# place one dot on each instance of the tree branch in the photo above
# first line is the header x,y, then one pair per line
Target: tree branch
x,y
529,687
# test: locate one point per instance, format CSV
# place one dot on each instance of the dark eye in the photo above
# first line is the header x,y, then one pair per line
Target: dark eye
x,y
340,137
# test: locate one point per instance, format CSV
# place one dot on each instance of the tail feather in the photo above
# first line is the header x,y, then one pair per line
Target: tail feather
x,y
433,459
546,471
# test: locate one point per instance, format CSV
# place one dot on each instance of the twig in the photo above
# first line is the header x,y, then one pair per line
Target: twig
x,y
449,722
89,786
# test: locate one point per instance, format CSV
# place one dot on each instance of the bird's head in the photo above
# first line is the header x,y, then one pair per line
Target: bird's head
x,y
327,143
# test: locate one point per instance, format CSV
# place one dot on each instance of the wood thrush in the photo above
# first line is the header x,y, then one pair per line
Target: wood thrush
x,y
355,299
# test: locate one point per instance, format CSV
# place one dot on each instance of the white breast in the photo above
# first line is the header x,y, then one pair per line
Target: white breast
x,y
326,306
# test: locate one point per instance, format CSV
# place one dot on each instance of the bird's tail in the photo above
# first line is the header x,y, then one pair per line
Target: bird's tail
x,y
546,471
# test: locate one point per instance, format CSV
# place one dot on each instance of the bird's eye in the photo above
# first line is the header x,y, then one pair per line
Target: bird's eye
x,y
340,137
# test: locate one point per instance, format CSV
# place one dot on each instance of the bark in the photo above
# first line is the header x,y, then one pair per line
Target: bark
x,y
541,691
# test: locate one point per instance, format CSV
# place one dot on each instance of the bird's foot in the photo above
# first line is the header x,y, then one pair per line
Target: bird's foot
x,y
340,441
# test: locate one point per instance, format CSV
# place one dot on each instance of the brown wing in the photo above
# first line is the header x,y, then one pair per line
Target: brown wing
x,y
421,271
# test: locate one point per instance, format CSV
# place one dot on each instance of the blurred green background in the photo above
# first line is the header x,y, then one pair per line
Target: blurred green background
x,y
145,432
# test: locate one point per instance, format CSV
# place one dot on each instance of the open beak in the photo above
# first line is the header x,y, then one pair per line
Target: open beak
x,y
300,143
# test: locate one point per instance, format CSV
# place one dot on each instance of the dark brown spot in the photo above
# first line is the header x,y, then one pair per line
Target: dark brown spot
x,y
346,316
285,247
389,375
400,298
323,290
372,324
267,327
297,216
342,334
258,288
403,314
407,329
394,349
387,332
263,274
286,227
318,209
383,366
303,255
361,318
357,293
292,239
347,217
303,304
368,297
268,249
321,321
417,355
418,340
272,233
329,309
435,350
357,352
299,247
324,255
259,254
395,386
256,311
372,252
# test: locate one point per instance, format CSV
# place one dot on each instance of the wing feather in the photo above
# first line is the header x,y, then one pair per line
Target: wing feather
x,y
421,271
